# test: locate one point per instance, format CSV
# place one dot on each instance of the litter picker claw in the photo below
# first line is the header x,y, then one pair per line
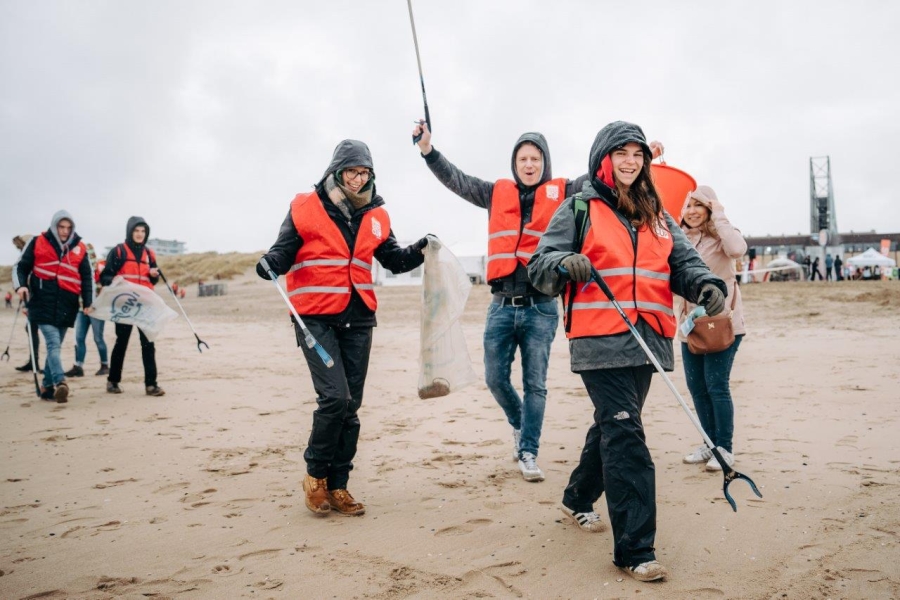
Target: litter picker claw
x,y
191,325
729,473
5,355
307,336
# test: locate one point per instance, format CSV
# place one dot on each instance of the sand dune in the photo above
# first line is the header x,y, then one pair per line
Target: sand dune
x,y
197,494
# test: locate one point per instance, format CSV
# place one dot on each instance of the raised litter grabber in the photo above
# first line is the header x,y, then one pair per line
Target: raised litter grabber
x,y
191,325
307,336
729,473
5,355
427,120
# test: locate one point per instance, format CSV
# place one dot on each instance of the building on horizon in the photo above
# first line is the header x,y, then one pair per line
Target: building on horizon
x,y
166,247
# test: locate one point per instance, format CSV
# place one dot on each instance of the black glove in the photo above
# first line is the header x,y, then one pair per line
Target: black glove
x,y
578,266
420,245
261,271
712,299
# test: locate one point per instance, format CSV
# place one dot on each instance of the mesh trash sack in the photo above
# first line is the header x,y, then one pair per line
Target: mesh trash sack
x,y
444,363
130,304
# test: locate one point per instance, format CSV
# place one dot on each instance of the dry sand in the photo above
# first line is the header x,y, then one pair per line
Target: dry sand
x,y
197,494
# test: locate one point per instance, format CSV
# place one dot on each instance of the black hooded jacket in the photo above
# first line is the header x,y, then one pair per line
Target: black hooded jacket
x,y
117,256
688,272
479,192
349,153
48,303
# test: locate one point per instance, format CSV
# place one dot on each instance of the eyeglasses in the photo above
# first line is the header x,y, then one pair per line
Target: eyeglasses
x,y
354,173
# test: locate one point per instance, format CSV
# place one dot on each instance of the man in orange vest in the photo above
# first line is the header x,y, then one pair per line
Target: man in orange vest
x,y
83,322
52,273
519,315
326,247
137,264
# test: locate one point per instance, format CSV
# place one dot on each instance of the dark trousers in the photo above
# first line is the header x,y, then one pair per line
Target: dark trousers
x,y
615,460
339,393
35,343
148,355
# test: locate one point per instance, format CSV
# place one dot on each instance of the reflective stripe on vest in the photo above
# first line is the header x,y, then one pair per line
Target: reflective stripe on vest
x,y
324,272
137,272
639,280
49,266
506,245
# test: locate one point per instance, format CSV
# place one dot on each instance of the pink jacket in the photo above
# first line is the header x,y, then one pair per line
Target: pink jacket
x,y
719,243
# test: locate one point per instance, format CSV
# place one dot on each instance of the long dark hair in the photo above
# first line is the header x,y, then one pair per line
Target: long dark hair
x,y
640,203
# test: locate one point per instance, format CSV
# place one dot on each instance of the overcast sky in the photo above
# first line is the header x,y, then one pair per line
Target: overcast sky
x,y
207,117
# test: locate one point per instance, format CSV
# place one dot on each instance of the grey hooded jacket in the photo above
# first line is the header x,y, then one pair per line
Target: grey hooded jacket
x,y
479,192
688,271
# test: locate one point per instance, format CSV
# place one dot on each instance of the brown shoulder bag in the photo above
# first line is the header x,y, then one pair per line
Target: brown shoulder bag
x,y
713,334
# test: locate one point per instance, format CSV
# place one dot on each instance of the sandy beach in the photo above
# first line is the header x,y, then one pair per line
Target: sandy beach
x,y
197,494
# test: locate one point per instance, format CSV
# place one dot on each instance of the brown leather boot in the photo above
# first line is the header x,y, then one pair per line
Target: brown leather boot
x,y
316,495
343,502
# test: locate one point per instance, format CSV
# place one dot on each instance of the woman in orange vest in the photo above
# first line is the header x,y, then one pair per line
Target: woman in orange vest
x,y
52,274
327,246
137,264
644,257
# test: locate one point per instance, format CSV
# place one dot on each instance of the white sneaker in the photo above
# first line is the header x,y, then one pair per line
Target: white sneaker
x,y
529,468
648,571
587,521
713,464
517,439
701,454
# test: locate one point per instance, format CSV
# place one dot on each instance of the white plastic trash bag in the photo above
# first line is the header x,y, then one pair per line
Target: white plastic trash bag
x,y
131,304
444,363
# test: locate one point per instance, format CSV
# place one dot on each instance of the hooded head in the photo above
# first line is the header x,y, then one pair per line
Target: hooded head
x,y
62,215
612,137
129,230
351,153
528,168
704,196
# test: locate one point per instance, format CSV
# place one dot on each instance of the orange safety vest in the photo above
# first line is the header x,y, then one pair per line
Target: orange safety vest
x,y
323,273
135,271
509,242
638,277
48,265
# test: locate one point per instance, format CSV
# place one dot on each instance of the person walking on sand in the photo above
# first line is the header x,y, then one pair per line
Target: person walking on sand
x,y
829,267
814,269
644,257
519,316
20,241
83,322
326,246
51,275
137,264
708,376
838,268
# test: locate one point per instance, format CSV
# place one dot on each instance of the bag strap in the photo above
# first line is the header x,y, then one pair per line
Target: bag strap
x,y
580,210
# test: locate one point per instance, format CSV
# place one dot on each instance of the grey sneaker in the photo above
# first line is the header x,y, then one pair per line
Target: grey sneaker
x,y
517,439
587,521
528,466
701,454
113,388
713,464
648,571
155,390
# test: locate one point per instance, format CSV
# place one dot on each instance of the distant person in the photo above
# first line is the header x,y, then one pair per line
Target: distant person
x,y
839,268
645,258
708,376
135,262
83,322
51,275
20,241
807,264
327,246
8,299
829,266
815,272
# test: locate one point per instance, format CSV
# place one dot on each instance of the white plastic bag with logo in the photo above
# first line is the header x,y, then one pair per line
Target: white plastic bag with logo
x,y
130,304
444,363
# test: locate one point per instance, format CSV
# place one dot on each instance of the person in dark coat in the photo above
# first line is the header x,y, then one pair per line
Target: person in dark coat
x,y
20,241
52,274
326,247
644,256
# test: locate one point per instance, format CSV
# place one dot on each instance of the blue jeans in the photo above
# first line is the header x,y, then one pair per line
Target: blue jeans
x,y
708,379
53,368
82,321
531,329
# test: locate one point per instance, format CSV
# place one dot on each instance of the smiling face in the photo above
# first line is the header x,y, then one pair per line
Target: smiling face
x,y
627,163
529,164
354,178
695,214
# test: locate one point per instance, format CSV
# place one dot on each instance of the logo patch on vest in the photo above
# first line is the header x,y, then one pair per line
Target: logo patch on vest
x,y
660,230
76,250
376,228
553,192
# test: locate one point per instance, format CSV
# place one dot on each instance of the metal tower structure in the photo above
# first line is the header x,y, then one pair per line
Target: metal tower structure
x,y
822,216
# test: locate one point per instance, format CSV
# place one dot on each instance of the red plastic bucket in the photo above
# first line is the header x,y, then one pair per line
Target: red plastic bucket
x,y
673,186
